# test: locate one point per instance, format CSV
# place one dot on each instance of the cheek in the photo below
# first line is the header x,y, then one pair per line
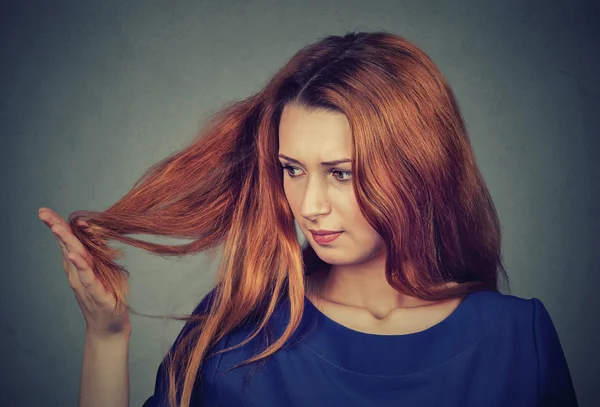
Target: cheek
x,y
359,224
294,204
349,207
294,199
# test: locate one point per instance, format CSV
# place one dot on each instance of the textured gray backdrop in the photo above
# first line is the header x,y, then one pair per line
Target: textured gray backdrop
x,y
93,93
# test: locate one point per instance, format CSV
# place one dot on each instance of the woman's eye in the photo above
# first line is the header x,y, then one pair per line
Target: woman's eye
x,y
348,173
340,178
288,168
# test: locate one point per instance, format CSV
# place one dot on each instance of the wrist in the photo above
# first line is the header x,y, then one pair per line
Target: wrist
x,y
113,337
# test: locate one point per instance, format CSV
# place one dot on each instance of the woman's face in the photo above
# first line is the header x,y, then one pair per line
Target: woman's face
x,y
321,196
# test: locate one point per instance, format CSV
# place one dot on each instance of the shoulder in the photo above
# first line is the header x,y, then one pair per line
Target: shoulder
x,y
506,318
527,324
205,303
202,308
536,327
522,313
516,326
496,301
161,380
527,313
521,334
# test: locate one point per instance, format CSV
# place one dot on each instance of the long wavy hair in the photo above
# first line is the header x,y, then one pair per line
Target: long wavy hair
x,y
435,215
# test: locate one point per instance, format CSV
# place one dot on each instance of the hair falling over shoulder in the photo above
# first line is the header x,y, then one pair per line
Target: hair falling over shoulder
x,y
435,215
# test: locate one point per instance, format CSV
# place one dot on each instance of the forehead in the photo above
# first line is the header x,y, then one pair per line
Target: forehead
x,y
311,133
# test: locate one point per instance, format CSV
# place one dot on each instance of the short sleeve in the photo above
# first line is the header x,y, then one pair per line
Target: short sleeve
x,y
555,386
161,384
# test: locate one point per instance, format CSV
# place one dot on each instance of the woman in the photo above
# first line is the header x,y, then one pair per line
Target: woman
x,y
357,135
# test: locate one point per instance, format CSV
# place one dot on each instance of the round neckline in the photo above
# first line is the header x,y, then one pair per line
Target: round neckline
x,y
377,355
328,323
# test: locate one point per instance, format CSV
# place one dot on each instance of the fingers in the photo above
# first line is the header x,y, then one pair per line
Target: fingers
x,y
88,280
63,233
93,298
51,218
67,239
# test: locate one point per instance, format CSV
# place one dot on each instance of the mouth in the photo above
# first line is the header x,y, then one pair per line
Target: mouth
x,y
326,238
324,232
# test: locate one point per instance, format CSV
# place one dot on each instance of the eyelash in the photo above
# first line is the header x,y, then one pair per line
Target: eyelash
x,y
286,167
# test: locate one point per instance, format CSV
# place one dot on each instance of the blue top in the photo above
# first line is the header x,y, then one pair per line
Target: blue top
x,y
494,349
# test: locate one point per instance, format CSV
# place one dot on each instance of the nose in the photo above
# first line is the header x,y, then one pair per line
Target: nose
x,y
314,202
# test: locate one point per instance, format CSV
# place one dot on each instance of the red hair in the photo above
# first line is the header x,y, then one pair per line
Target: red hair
x,y
434,213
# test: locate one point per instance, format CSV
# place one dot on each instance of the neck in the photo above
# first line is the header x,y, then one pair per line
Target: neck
x,y
359,288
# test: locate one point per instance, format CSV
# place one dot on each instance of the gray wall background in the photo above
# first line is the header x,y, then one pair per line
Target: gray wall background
x,y
93,93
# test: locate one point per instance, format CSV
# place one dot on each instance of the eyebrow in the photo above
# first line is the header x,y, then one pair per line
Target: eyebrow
x,y
324,163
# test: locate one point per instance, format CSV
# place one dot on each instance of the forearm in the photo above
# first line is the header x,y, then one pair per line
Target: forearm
x,y
105,372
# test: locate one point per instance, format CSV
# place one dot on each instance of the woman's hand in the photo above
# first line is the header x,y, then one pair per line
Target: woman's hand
x,y
95,302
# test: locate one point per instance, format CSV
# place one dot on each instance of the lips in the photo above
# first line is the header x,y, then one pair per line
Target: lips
x,y
326,238
324,232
